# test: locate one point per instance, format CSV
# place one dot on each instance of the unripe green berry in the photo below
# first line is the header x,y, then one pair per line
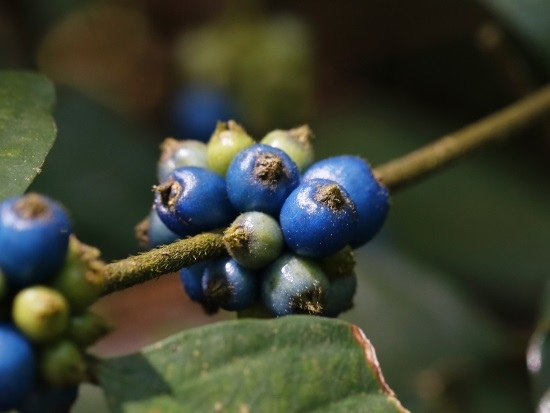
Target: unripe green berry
x,y
227,140
86,328
254,239
41,313
295,142
62,364
81,277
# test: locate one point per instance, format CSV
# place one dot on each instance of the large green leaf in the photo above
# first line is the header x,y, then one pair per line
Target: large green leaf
x,y
27,129
292,364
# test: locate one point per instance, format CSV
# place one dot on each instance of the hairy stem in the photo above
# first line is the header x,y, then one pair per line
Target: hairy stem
x,y
423,162
152,264
396,175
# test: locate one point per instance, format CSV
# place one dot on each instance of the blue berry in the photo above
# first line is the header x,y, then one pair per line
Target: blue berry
x,y
17,367
370,197
46,399
294,285
175,154
158,233
197,108
318,218
340,295
230,286
193,200
254,239
191,279
34,235
260,178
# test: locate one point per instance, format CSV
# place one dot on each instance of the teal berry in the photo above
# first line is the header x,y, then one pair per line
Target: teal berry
x,y
176,153
260,178
227,141
158,233
254,239
49,399
340,295
17,367
34,234
230,286
371,198
41,313
296,143
318,218
193,200
294,285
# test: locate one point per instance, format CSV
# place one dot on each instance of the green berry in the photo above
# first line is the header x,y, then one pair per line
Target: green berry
x,y
81,277
62,364
295,142
338,265
227,140
41,313
254,239
86,328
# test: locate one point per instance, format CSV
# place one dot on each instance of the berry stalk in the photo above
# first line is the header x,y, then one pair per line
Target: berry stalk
x,y
395,175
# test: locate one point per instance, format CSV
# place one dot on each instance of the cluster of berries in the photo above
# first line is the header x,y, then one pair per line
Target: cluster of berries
x,y
48,279
291,223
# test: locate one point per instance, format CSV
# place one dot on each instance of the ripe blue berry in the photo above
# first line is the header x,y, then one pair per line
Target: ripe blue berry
x,y
294,285
230,286
193,200
158,233
340,295
370,197
47,399
254,239
260,178
318,218
191,279
34,234
197,108
296,143
17,367
175,154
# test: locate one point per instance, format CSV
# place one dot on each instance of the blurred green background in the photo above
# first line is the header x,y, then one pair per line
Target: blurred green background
x,y
451,290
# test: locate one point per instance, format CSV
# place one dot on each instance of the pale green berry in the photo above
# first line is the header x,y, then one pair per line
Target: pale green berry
x,y
227,140
295,142
41,313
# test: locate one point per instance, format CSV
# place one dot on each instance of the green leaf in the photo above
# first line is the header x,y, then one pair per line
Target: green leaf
x,y
291,364
27,129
